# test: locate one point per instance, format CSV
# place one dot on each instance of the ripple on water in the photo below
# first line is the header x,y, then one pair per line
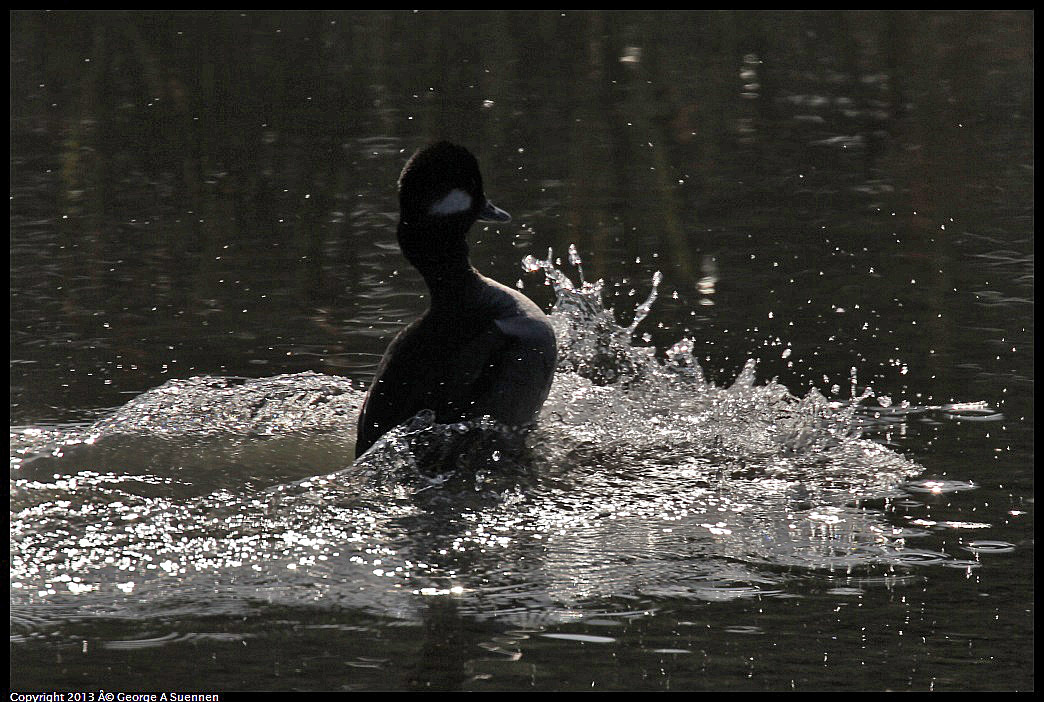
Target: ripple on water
x,y
582,638
982,546
938,486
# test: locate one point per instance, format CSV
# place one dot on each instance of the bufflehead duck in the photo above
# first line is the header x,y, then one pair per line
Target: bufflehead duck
x,y
482,348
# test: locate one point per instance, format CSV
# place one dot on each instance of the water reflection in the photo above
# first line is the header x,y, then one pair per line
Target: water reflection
x,y
140,161
203,198
643,480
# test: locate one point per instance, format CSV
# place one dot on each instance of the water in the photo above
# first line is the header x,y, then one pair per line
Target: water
x,y
789,445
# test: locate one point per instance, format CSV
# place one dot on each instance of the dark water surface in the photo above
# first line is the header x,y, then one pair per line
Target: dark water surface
x,y
204,274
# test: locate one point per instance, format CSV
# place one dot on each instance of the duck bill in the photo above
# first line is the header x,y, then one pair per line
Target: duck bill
x,y
492,213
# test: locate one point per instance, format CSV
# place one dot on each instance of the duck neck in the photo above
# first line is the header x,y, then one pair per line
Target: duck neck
x,y
450,290
446,268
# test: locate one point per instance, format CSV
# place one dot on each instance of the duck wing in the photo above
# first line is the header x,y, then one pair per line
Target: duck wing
x,y
519,358
504,371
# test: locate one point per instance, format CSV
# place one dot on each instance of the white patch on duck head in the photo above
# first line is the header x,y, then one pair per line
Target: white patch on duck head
x,y
455,202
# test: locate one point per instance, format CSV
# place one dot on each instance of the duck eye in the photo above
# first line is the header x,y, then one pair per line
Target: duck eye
x,y
454,202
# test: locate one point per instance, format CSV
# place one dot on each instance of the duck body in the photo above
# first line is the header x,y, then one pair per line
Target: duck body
x,y
482,348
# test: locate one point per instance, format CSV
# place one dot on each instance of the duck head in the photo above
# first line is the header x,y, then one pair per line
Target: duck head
x,y
440,197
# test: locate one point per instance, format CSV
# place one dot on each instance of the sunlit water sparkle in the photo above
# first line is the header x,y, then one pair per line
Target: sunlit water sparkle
x,y
642,479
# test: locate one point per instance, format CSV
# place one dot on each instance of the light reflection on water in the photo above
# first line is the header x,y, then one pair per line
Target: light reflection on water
x,y
642,480
212,194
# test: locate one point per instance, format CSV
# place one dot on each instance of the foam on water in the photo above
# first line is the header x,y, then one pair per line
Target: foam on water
x,y
211,495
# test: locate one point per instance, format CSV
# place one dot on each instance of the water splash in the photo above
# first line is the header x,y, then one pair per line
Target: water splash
x,y
642,478
590,343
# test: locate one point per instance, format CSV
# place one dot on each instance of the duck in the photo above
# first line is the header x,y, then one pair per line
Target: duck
x,y
481,348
